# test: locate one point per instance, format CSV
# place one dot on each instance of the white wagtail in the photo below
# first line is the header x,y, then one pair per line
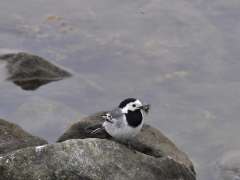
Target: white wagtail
x,y
125,121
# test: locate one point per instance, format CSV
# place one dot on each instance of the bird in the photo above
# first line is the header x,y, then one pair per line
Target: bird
x,y
124,122
121,124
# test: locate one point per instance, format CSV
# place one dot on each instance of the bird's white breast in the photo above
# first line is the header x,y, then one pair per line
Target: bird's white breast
x,y
120,129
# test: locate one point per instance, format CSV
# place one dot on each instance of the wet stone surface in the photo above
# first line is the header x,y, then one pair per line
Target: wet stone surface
x,y
30,71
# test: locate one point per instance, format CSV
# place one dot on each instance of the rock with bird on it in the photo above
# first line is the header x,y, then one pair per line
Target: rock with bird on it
x,y
80,156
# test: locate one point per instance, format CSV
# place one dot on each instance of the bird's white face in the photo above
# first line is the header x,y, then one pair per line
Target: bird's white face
x,y
132,106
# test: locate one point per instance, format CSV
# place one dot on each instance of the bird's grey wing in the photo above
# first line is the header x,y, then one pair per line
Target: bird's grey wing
x,y
111,116
116,113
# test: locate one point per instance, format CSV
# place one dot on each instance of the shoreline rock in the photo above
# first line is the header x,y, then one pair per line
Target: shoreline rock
x,y
92,159
149,141
13,137
88,158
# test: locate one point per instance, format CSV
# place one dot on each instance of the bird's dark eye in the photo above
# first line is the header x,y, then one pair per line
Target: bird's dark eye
x,y
134,105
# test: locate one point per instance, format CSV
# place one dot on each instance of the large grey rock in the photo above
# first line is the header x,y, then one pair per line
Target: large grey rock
x,y
150,141
149,136
30,72
85,159
13,137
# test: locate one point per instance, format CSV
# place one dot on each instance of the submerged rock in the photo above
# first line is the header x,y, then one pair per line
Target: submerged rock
x,y
89,159
30,72
13,137
229,166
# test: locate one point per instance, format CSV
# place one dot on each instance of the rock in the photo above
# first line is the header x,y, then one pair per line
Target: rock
x,y
78,129
13,137
30,72
89,159
229,166
150,141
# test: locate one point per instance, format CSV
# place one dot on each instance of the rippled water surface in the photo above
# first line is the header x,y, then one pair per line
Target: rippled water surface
x,y
181,56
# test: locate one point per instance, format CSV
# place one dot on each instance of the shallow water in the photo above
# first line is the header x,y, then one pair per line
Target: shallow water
x,y
181,56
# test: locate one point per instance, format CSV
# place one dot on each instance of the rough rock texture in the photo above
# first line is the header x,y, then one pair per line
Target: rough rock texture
x,y
30,71
150,141
78,129
13,137
149,136
85,159
155,157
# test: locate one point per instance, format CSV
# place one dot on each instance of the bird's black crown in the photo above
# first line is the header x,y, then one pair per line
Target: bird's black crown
x,y
126,101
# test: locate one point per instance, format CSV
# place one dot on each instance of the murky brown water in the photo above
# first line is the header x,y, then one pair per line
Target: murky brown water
x,y
181,56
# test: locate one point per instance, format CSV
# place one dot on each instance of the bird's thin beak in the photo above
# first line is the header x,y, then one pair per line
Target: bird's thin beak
x,y
145,108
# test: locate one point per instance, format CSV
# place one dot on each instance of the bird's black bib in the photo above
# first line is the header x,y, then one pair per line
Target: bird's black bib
x,y
134,118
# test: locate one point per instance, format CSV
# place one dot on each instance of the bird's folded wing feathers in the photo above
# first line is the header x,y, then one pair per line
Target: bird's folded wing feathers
x,y
116,113
98,128
95,129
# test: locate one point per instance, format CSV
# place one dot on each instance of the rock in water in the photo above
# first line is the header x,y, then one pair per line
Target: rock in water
x,y
30,71
89,159
149,141
13,137
229,166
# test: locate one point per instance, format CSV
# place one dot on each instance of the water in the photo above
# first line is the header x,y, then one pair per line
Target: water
x,y
181,56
